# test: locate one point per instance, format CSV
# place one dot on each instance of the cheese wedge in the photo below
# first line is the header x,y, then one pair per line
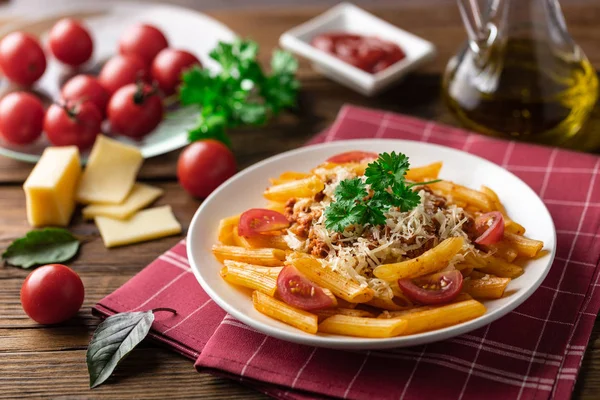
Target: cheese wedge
x,y
110,172
140,196
51,186
149,224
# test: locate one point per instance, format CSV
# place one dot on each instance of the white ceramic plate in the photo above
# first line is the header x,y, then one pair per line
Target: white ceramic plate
x,y
244,191
185,29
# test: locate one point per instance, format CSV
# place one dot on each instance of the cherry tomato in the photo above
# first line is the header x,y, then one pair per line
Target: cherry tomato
x,y
352,156
52,294
438,288
70,42
73,123
122,70
22,59
168,66
85,88
21,118
135,110
490,227
297,291
203,166
257,220
143,40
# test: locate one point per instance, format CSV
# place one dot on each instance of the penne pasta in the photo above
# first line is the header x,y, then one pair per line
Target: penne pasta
x,y
427,172
525,247
487,287
509,224
225,230
429,262
499,267
285,313
470,196
503,250
267,257
329,312
271,271
276,206
441,317
323,276
250,279
306,187
288,176
394,314
393,304
260,241
363,327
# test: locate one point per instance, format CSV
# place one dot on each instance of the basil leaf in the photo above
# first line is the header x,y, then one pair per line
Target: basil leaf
x,y
45,246
114,338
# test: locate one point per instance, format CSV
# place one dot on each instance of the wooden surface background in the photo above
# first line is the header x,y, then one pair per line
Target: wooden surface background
x,y
50,361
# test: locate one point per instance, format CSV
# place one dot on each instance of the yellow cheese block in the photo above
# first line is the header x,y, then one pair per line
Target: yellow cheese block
x,y
51,186
110,172
149,224
140,196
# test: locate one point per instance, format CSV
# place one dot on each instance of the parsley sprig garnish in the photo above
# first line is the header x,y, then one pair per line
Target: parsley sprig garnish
x,y
241,93
355,203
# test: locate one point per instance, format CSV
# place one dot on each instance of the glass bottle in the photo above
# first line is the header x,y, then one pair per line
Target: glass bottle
x,y
520,74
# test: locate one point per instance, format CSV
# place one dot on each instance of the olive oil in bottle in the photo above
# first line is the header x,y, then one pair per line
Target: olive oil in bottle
x,y
520,74
522,89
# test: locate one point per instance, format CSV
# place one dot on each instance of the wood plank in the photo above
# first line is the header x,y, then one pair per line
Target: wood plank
x,y
149,372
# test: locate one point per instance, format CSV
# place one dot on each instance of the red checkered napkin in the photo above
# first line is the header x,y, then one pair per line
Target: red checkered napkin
x,y
534,352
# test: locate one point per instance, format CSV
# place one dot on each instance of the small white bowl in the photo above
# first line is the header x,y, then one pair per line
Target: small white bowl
x,y
346,17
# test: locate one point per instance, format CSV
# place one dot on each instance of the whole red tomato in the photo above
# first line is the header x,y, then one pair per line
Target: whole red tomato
x,y
168,66
52,294
135,110
122,70
75,124
85,87
203,166
21,118
144,41
70,42
22,59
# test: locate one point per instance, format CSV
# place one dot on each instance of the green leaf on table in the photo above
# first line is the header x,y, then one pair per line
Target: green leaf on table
x,y
45,246
114,338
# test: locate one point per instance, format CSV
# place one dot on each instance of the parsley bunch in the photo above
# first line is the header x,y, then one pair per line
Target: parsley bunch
x,y
241,94
353,203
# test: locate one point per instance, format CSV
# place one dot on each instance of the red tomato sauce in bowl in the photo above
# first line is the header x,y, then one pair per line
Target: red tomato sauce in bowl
x,y
368,53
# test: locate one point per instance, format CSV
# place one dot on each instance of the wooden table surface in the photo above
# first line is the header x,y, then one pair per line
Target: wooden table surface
x,y
50,361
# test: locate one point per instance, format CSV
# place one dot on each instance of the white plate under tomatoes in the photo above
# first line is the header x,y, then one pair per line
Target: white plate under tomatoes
x,y
185,29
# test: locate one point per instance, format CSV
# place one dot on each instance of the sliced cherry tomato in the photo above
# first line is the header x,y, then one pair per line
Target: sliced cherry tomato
x,y
168,66
352,156
297,291
438,288
203,166
122,70
21,118
135,110
143,40
70,42
490,227
85,88
73,124
22,59
52,294
258,220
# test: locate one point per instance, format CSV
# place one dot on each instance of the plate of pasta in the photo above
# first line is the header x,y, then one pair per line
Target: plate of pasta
x,y
367,244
